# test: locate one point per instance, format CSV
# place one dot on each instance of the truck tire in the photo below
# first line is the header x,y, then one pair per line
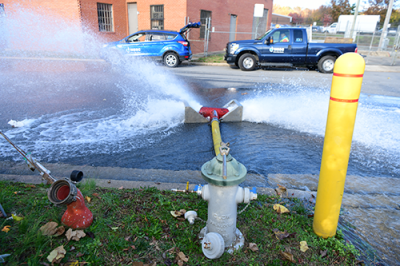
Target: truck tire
x,y
326,63
247,62
171,60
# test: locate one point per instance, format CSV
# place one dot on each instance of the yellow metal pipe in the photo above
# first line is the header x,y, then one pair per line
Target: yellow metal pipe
x,y
345,91
216,135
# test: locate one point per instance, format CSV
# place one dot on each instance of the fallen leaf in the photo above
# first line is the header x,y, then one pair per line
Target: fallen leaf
x,y
78,235
253,247
133,247
128,238
323,253
281,187
30,185
177,213
72,248
137,263
59,231
88,199
114,228
79,255
183,211
288,256
96,195
121,187
180,263
182,256
303,246
17,218
90,234
279,234
6,228
74,235
49,229
57,255
280,209
108,181
72,263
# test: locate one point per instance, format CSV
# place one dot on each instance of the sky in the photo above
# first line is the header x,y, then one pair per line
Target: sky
x,y
311,4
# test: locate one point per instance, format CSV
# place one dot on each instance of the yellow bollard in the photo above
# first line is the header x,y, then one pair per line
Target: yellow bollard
x,y
345,91
216,135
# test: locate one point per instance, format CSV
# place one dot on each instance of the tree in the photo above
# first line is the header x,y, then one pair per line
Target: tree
x,y
379,7
296,18
341,7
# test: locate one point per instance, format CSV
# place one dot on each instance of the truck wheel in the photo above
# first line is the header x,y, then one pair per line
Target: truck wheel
x,y
171,60
247,62
326,63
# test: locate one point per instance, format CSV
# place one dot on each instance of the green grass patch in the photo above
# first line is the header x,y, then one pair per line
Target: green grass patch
x,y
135,225
217,58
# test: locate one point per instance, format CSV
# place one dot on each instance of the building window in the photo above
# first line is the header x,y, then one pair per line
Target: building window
x,y
204,15
105,15
157,17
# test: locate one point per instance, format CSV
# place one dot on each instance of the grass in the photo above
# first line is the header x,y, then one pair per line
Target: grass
x,y
135,225
216,58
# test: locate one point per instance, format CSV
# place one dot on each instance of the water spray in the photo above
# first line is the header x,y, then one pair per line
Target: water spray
x,y
62,192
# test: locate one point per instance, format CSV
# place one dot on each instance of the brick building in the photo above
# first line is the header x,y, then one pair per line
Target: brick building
x,y
63,25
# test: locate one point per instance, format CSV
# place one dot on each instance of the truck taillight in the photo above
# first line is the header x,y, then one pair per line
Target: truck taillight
x,y
183,43
356,50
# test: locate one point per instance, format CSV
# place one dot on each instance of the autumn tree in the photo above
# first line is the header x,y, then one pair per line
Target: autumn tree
x,y
296,18
341,7
379,7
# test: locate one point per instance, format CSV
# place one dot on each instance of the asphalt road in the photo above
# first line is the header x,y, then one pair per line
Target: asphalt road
x,y
381,83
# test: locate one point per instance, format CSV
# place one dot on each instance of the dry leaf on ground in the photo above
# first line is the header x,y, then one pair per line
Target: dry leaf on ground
x,y
279,234
182,256
96,195
253,246
30,185
303,246
88,199
6,228
288,256
178,213
74,235
280,208
72,263
323,253
57,255
49,229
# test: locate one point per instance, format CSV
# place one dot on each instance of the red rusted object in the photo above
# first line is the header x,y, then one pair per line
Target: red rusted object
x,y
77,215
208,112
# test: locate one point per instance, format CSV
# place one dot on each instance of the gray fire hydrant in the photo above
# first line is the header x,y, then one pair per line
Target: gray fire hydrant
x,y
223,174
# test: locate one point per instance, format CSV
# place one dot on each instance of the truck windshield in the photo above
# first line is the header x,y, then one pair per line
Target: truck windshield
x,y
262,36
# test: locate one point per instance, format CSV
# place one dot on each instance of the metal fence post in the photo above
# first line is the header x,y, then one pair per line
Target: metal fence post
x,y
372,40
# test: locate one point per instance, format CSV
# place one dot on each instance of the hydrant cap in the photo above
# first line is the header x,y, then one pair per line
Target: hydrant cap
x,y
212,171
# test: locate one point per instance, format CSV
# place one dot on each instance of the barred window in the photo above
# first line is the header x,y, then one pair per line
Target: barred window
x,y
157,17
204,15
105,15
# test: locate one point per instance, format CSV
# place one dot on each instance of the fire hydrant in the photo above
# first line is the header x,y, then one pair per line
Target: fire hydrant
x,y
223,174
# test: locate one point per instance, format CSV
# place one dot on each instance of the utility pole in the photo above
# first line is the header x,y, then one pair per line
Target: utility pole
x,y
354,20
384,30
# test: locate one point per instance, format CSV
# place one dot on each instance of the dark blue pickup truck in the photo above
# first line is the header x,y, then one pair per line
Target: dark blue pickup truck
x,y
285,47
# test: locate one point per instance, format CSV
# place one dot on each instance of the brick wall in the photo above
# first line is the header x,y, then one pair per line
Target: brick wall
x,y
37,25
174,13
220,20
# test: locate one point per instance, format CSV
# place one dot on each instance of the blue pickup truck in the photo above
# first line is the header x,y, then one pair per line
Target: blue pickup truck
x,y
285,47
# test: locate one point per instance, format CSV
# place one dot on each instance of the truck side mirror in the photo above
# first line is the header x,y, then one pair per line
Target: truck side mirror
x,y
269,40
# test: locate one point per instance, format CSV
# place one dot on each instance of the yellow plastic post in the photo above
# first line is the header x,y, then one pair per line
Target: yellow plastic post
x,y
216,135
345,91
